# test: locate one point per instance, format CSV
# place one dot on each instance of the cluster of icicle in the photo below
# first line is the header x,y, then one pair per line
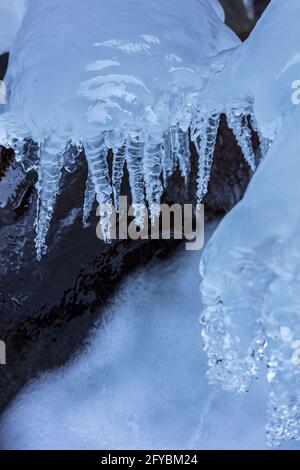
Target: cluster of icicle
x,y
150,160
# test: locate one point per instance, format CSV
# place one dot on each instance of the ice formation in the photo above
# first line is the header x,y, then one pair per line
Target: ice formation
x,y
250,270
127,76
139,78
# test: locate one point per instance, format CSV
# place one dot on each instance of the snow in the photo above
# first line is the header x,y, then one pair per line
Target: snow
x,y
140,383
250,269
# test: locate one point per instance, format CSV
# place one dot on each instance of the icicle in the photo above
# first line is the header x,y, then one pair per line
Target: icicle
x,y
15,135
197,125
180,148
18,147
116,141
209,125
184,156
265,143
96,155
134,160
174,144
89,198
117,174
49,172
152,172
70,155
30,155
168,164
237,121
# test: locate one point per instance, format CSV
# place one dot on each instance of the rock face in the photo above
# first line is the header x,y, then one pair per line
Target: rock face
x,y
236,17
47,308
3,65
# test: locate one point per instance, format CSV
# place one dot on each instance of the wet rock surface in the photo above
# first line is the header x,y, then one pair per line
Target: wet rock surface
x,y
236,17
260,6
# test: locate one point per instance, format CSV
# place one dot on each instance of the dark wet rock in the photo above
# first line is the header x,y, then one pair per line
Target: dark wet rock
x,y
3,65
236,17
260,6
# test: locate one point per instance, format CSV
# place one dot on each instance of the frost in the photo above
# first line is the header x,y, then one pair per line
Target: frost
x,y
208,135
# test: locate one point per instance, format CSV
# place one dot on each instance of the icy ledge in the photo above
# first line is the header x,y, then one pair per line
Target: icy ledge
x,y
150,161
138,94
